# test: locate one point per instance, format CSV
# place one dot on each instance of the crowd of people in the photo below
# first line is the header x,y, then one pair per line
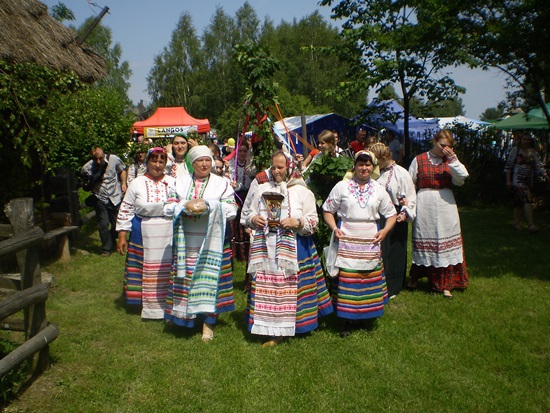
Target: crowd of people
x,y
184,212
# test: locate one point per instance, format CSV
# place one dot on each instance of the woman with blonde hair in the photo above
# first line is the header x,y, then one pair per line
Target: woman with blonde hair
x,y
437,248
400,187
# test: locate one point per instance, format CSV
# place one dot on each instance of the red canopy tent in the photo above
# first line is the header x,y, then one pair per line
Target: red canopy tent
x,y
168,121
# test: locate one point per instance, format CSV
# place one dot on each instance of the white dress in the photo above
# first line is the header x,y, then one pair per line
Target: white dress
x,y
198,239
437,238
149,258
360,289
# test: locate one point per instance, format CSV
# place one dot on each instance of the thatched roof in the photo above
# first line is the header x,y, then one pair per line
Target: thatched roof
x,y
29,35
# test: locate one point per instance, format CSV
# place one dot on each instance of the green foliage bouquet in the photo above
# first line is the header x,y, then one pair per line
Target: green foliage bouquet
x,y
323,173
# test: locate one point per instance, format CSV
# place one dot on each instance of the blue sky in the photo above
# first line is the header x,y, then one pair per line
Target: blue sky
x,y
144,27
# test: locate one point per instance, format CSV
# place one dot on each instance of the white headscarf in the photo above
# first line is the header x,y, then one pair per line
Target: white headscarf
x,y
199,151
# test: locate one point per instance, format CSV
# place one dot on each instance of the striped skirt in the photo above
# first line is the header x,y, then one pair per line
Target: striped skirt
x,y
284,306
180,287
148,265
360,295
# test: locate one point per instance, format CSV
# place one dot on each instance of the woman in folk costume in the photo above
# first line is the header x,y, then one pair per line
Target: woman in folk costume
x,y
288,293
149,259
437,249
178,164
399,185
359,288
241,171
201,284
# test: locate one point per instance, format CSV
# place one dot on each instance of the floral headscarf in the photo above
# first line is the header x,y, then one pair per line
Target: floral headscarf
x,y
376,171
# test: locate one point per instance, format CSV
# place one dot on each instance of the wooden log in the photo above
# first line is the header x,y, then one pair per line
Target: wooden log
x,y
27,349
90,215
6,231
22,299
21,241
59,231
20,213
11,282
62,233
12,324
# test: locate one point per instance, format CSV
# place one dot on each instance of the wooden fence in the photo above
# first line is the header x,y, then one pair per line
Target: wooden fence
x,y
32,294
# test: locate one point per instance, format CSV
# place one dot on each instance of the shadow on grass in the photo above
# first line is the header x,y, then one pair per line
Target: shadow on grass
x,y
494,248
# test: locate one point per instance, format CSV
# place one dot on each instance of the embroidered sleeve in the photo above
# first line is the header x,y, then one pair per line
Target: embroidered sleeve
x,y
413,170
247,210
458,172
228,202
310,218
406,187
332,203
172,202
386,207
126,212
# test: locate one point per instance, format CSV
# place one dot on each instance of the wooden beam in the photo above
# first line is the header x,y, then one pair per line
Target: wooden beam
x,y
21,299
28,348
21,242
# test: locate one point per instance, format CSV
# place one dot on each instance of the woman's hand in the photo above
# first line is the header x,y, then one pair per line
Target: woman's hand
x,y
192,142
122,244
291,223
380,235
450,153
338,233
258,221
402,216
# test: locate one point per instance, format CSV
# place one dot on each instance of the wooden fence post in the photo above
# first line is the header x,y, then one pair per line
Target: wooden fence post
x,y
20,213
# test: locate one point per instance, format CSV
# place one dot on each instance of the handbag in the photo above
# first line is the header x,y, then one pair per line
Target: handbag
x,y
330,253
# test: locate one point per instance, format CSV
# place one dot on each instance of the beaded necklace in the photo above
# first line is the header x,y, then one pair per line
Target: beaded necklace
x,y
362,195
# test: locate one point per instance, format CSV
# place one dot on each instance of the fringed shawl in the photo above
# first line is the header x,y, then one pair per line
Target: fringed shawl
x,y
203,289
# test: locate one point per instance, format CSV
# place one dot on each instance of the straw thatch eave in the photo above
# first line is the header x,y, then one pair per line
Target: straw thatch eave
x,y
29,35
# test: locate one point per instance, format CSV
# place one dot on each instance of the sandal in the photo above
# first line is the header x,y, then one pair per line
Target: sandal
x,y
533,228
272,342
447,294
207,332
517,227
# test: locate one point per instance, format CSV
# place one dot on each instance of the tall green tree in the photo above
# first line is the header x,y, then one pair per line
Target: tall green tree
x,y
259,68
402,42
51,120
513,36
61,12
118,71
172,80
446,107
305,70
492,114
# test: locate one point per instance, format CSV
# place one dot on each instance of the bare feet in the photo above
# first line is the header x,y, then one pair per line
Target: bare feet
x,y
207,332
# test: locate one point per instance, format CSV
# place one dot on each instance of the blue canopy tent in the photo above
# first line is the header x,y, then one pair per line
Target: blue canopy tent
x,y
289,127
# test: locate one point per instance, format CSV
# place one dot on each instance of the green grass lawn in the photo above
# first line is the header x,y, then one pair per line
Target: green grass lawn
x,y
486,350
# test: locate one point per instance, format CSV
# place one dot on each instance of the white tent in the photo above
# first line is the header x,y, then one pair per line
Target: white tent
x,y
419,129
449,122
